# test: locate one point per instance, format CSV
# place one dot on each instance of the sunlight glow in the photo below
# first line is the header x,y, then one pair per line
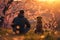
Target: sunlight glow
x,y
49,1
41,0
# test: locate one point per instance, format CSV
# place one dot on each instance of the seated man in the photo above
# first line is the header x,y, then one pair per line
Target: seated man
x,y
20,24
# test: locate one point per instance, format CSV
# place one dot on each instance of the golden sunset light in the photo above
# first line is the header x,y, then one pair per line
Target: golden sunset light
x,y
48,1
29,19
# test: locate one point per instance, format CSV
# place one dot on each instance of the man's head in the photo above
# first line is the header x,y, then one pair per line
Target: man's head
x,y
21,14
21,11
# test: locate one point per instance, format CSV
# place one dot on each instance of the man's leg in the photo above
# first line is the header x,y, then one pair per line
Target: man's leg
x,y
24,30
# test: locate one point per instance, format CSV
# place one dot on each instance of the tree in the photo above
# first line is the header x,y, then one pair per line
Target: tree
x,y
7,6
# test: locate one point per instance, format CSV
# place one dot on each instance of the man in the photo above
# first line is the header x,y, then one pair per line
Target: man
x,y
20,24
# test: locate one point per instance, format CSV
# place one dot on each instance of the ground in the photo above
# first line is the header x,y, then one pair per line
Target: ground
x,y
6,34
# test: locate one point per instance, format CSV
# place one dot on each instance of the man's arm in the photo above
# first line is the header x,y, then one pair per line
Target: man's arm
x,y
27,23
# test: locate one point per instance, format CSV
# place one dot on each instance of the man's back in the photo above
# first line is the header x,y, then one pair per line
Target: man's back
x,y
21,21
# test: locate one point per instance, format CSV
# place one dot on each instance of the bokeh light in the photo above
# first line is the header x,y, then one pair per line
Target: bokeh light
x,y
42,36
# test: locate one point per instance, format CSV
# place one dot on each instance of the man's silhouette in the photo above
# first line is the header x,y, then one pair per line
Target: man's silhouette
x,y
20,24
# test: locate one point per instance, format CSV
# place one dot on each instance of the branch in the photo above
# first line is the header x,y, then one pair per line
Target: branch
x,y
7,6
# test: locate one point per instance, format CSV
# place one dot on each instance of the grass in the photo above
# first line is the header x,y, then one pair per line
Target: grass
x,y
7,34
